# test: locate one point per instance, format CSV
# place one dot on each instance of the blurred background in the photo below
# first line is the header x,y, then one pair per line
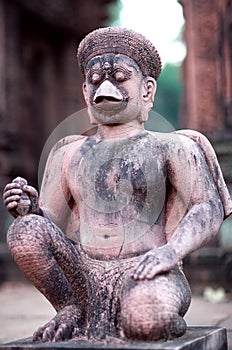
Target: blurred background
x,y
40,85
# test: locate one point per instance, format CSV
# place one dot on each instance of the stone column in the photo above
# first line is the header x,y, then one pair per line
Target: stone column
x,y
208,102
201,68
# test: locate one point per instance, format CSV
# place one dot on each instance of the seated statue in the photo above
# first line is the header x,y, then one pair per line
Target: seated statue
x,y
118,210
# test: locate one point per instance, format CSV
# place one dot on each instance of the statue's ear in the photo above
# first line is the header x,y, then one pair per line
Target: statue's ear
x,y
149,91
84,91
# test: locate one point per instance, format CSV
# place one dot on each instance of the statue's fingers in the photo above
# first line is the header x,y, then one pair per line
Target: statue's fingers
x,y
138,271
147,270
159,268
140,268
10,187
10,199
30,190
12,192
20,179
12,205
155,270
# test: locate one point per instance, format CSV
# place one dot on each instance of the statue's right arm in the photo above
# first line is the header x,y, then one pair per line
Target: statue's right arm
x,y
55,198
53,201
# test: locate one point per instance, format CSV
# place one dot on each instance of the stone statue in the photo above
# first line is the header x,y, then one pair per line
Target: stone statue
x,y
118,210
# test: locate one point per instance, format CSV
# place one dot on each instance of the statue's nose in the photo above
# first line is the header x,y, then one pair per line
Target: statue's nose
x,y
107,91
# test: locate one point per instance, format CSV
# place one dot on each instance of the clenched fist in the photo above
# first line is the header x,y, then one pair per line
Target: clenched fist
x,y
20,198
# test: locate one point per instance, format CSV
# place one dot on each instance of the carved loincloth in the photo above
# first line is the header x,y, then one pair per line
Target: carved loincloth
x,y
105,280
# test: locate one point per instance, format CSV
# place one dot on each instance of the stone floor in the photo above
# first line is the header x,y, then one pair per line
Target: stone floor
x,y
23,309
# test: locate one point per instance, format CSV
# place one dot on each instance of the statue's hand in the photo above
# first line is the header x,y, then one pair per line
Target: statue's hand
x,y
20,198
156,261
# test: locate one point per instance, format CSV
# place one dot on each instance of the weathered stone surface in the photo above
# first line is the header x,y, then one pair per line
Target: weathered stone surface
x,y
196,338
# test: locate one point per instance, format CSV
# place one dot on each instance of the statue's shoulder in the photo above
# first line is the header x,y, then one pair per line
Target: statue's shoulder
x,y
63,149
59,157
175,141
199,139
68,141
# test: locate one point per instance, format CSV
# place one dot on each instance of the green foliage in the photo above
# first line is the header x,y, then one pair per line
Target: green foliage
x,y
169,89
113,11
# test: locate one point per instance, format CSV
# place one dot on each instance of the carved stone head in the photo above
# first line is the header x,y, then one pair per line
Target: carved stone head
x,y
120,68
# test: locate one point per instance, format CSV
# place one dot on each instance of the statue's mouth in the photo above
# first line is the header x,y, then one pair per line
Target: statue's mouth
x,y
108,98
108,103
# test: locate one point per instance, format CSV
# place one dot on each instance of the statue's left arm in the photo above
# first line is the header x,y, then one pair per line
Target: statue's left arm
x,y
196,193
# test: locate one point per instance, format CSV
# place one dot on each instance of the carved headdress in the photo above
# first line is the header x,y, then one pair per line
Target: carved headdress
x,y
120,41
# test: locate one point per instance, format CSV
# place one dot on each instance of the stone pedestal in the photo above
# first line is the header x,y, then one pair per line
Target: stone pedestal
x,y
196,338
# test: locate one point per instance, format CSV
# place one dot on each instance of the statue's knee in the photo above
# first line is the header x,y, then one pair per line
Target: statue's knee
x,y
28,241
145,316
137,313
26,231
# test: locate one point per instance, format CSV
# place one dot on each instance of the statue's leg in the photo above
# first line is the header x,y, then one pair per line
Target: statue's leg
x,y
51,262
154,309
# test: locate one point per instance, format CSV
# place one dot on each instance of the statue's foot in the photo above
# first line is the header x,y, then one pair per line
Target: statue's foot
x,y
62,327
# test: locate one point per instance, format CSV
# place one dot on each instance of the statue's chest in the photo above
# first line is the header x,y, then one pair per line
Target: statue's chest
x,y
120,175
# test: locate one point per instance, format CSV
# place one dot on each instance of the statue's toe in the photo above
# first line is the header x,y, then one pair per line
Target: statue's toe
x,y
62,327
54,331
64,332
49,331
46,332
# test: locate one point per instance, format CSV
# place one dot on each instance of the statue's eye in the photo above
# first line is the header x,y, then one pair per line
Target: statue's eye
x,y
119,76
95,78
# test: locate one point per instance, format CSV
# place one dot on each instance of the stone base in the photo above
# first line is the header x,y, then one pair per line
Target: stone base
x,y
196,338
